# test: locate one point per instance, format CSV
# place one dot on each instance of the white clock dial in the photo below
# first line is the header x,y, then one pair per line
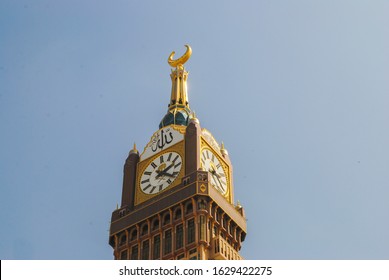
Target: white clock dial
x,y
161,173
211,163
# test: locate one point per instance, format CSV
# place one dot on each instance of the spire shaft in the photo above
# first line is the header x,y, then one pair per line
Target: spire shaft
x,y
179,111
179,95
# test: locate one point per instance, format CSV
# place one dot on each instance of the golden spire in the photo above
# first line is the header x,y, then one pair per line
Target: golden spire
x,y
179,63
179,96
193,118
223,150
134,150
179,111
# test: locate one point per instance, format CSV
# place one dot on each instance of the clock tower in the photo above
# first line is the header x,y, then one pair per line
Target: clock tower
x,y
178,193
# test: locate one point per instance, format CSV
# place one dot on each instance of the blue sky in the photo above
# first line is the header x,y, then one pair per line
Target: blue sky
x,y
297,90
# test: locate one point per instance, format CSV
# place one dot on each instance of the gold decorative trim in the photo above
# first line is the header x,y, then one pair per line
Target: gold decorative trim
x,y
140,196
180,128
207,135
225,166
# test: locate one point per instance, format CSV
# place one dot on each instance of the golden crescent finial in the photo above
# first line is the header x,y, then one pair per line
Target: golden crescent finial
x,y
180,61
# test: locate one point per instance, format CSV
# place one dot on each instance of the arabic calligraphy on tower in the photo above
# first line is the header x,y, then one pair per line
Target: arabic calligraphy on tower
x,y
161,140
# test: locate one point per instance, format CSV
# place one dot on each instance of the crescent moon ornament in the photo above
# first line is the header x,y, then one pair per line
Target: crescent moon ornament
x,y
179,62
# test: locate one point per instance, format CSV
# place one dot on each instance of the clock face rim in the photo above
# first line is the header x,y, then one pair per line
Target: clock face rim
x,y
149,173
220,170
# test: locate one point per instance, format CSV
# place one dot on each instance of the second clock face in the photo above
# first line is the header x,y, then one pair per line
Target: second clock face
x,y
211,163
161,173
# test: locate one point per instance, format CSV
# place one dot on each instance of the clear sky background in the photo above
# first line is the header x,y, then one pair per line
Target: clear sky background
x,y
297,90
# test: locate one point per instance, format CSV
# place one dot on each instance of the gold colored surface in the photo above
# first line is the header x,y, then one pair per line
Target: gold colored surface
x,y
180,61
210,139
140,196
180,128
223,150
179,94
134,148
225,166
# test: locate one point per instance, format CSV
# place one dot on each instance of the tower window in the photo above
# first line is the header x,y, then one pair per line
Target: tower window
x,y
202,228
134,234
166,219
145,230
202,204
213,212
215,231
157,247
179,236
145,250
167,248
193,251
123,239
180,257
225,223
193,254
134,252
219,216
189,208
155,224
231,229
177,214
123,255
191,231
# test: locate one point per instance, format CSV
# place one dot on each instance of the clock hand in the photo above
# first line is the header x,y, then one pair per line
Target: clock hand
x,y
164,172
161,172
220,183
213,172
167,168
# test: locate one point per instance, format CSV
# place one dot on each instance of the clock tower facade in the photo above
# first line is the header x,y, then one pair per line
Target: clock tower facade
x,y
177,196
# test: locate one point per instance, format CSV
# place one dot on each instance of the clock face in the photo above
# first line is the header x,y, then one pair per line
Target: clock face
x,y
211,163
160,173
